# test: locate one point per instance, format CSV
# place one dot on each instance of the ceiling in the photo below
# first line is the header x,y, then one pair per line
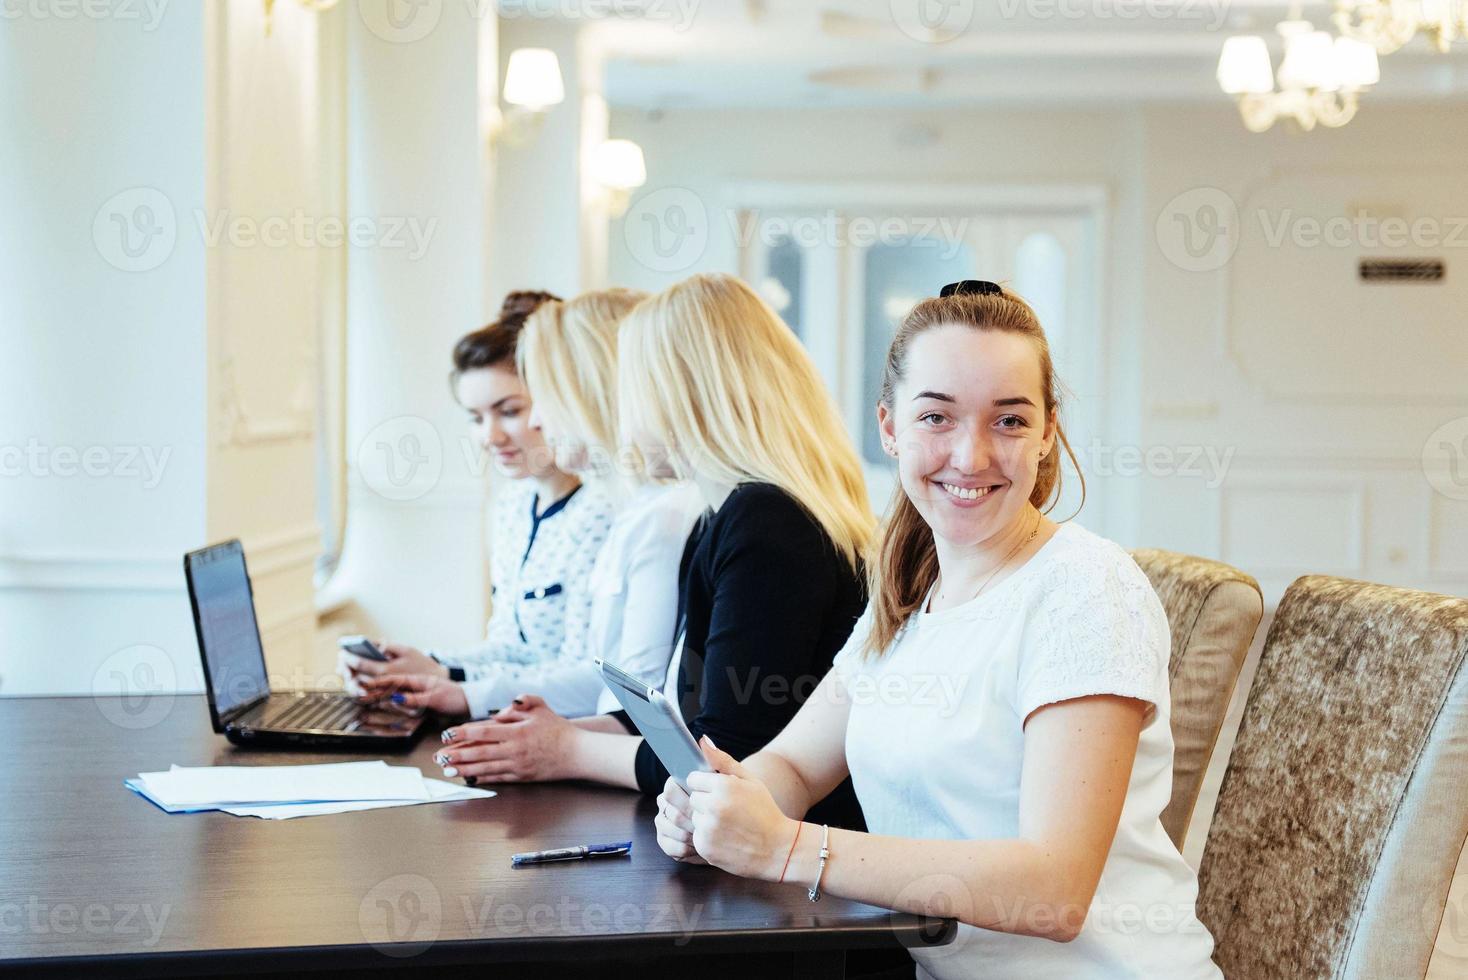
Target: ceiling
x,y
791,53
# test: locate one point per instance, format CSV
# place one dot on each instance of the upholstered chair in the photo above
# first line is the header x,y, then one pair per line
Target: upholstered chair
x,y
1213,610
1344,806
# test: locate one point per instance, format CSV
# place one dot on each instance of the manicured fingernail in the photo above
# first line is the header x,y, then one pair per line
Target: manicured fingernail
x,y
449,735
451,771
399,699
471,780
442,759
519,702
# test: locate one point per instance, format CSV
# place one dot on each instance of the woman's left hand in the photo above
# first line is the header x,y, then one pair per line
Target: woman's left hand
x,y
525,743
737,825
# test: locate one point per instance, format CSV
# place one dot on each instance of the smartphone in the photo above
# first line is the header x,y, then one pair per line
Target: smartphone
x,y
360,646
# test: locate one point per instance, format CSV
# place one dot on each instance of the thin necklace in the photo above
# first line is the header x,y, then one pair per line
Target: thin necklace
x,y
1005,560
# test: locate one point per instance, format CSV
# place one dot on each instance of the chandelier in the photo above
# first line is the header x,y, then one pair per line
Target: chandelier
x,y
1319,81
1388,24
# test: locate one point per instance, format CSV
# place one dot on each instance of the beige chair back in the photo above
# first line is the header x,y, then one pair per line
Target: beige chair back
x,y
1212,610
1345,803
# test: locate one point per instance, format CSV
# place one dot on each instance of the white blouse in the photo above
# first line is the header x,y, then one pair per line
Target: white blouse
x,y
632,590
1079,618
540,566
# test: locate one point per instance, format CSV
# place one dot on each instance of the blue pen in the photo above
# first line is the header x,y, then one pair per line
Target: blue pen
x,y
572,853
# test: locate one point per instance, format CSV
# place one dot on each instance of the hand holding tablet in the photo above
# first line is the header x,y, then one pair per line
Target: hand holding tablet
x,y
658,721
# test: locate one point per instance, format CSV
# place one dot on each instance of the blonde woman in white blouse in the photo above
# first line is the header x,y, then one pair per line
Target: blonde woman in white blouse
x,y
567,356
1002,706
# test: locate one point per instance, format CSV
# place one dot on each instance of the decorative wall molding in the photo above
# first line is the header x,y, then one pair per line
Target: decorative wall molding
x,y
237,425
232,39
1446,547
1351,494
148,572
292,619
1227,284
91,571
283,550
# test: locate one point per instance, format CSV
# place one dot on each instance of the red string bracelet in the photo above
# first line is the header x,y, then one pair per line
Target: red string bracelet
x,y
791,851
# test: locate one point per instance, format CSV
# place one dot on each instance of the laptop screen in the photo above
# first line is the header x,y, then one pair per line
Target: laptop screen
x,y
227,630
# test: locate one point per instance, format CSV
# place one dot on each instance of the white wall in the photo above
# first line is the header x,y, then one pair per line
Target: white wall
x,y
1327,477
190,349
100,349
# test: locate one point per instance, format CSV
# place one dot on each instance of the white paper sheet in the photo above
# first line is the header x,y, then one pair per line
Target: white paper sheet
x,y
440,792
182,787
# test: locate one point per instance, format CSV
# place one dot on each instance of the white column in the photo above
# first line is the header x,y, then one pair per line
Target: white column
x,y
102,375
412,557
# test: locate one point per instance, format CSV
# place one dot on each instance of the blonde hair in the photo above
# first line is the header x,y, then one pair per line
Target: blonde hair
x,y
707,367
567,355
907,558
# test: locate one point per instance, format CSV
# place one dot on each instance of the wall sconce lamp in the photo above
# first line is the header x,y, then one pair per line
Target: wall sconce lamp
x,y
618,166
532,85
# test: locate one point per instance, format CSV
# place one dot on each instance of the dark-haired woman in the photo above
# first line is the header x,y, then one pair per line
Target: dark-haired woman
x,y
1002,706
545,526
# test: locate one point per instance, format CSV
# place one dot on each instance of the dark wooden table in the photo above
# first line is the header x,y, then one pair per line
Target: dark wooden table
x,y
96,881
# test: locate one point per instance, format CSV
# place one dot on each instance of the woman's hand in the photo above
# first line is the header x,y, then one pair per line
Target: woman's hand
x,y
527,742
674,824
737,825
417,691
401,659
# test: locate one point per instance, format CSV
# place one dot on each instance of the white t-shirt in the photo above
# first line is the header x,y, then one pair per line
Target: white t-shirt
x,y
935,742
631,611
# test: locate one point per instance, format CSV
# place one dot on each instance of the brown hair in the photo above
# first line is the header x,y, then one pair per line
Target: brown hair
x,y
493,345
907,560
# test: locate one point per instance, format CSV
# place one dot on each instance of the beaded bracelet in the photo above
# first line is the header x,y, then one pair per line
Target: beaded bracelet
x,y
815,890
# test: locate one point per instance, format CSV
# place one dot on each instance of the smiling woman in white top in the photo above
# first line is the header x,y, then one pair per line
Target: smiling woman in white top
x,y
1024,665
567,356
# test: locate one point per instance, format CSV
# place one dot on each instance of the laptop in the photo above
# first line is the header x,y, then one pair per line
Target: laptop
x,y
241,705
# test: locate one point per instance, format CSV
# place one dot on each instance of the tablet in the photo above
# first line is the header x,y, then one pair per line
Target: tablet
x,y
659,723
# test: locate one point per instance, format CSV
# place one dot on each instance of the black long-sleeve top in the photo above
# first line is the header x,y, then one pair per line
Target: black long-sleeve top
x,y
765,603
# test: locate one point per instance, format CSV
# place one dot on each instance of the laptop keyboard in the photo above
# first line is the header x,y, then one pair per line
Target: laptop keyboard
x,y
330,712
